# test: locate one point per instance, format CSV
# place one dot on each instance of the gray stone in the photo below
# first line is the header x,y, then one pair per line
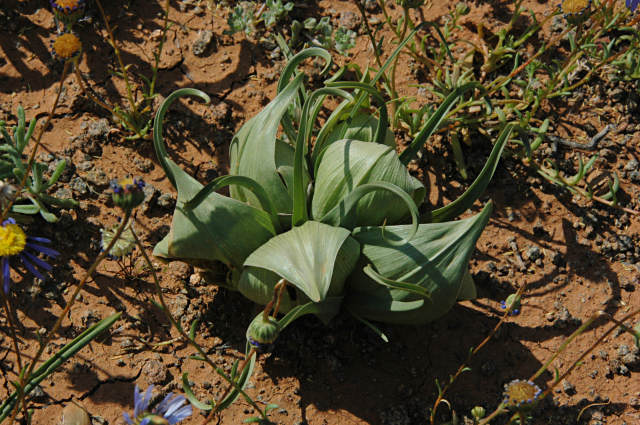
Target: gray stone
x,y
79,186
201,43
166,200
84,166
98,178
98,129
533,253
154,373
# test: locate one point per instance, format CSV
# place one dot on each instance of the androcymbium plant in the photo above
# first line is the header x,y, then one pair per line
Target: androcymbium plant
x,y
332,213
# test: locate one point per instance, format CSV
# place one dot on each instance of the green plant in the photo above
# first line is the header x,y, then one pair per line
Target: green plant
x,y
136,116
519,90
318,216
14,167
247,15
48,367
320,33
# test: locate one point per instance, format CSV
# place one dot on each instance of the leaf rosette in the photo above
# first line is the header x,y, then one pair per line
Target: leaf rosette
x,y
331,209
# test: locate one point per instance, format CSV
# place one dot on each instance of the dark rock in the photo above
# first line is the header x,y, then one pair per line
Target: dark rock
x,y
569,388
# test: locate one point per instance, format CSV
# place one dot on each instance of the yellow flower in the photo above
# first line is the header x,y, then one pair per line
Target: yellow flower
x,y
67,46
12,240
67,6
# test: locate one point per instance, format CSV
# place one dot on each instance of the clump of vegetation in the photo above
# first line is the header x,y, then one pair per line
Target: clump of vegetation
x,y
14,169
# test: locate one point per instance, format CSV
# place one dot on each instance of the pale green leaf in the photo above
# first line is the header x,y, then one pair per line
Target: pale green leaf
x,y
347,164
218,228
254,152
478,186
314,257
468,289
436,258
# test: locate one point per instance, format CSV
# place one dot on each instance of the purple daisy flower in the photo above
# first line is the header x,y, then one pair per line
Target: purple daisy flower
x,y
170,409
632,5
15,243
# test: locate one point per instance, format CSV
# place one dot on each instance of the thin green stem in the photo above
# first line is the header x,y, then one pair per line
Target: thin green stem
x,y
184,335
70,303
123,69
86,89
472,353
156,65
14,338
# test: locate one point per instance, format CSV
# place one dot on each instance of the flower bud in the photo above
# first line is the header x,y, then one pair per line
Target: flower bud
x,y
68,11
127,192
462,9
478,412
263,332
576,11
512,300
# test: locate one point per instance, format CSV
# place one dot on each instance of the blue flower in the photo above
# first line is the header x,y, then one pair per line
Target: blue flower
x,y
14,243
632,5
170,410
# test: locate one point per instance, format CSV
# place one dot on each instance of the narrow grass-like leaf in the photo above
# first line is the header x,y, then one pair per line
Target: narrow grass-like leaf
x,y
65,353
250,184
371,326
341,215
348,164
435,120
158,142
254,152
478,186
394,284
325,310
188,392
300,57
241,383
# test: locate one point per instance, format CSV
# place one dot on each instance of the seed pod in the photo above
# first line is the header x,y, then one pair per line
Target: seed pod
x,y
262,332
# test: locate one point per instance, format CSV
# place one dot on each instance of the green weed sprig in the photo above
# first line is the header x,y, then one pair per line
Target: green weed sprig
x,y
515,91
136,117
